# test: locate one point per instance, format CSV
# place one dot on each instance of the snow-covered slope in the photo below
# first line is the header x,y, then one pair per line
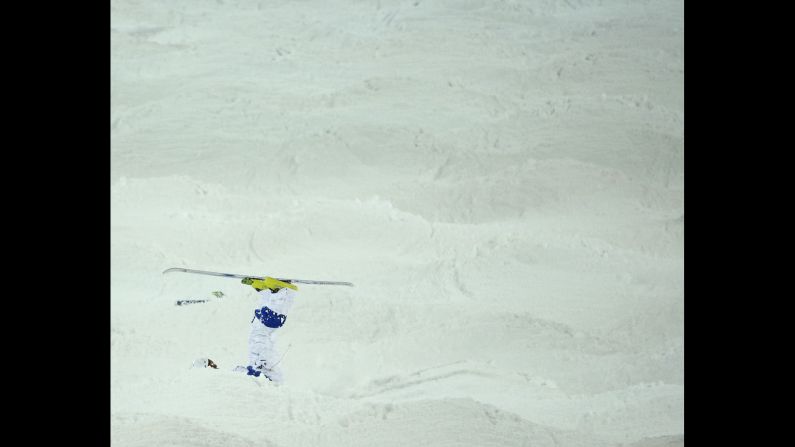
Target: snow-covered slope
x,y
503,181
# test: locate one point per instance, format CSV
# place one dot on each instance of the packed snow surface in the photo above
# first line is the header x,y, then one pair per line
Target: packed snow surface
x,y
502,180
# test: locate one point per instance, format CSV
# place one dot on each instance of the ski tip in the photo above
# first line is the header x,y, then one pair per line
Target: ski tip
x,y
173,269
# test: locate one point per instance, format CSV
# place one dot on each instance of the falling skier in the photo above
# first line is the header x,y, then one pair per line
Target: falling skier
x,y
276,298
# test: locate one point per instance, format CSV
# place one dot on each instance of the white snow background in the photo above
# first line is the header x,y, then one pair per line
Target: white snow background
x,y
502,180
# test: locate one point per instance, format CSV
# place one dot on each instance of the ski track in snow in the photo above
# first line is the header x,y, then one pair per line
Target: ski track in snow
x,y
502,180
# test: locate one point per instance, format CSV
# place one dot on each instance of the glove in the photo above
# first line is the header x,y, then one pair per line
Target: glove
x,y
268,283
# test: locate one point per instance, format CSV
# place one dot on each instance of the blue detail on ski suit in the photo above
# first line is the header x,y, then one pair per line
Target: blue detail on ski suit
x,y
270,318
251,371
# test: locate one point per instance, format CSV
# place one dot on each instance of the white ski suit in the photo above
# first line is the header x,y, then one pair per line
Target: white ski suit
x,y
269,315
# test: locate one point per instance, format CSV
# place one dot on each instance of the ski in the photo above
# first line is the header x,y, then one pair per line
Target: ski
x,y
234,275
217,294
186,302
